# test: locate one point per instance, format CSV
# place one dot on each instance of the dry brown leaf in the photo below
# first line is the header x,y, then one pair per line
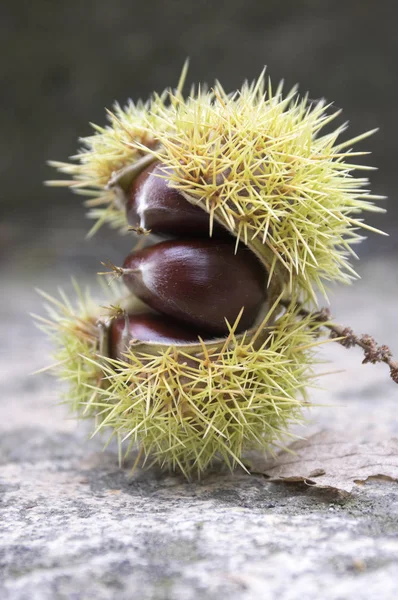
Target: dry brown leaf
x,y
326,460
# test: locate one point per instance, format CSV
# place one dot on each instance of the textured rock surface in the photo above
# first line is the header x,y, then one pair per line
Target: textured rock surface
x,y
75,526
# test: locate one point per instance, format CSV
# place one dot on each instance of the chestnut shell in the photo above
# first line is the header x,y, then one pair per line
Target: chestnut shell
x,y
153,205
199,282
147,327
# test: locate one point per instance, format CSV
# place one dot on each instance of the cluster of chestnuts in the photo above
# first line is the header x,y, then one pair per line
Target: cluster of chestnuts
x,y
253,210
196,284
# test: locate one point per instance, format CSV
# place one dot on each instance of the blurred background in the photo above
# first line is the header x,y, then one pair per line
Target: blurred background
x,y
62,63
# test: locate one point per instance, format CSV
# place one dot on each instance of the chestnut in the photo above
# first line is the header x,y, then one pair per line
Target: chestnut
x,y
147,327
153,205
198,282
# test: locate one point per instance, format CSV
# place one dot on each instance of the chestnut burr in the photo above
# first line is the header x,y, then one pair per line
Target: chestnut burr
x,y
154,205
198,282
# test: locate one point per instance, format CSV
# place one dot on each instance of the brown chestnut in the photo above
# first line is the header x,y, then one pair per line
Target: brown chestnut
x,y
153,205
147,327
198,282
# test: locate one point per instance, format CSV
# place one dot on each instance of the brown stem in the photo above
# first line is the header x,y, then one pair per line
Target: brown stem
x,y
140,230
115,272
347,338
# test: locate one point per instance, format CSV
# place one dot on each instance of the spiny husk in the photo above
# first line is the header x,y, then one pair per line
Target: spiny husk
x,y
258,161
73,328
185,405
79,329
110,149
255,160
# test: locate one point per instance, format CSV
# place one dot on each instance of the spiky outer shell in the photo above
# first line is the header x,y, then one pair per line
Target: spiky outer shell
x,y
255,160
186,404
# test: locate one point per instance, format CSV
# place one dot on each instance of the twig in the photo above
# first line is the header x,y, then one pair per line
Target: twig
x,y
347,338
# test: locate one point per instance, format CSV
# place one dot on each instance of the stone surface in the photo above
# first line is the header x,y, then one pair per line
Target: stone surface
x,y
75,526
